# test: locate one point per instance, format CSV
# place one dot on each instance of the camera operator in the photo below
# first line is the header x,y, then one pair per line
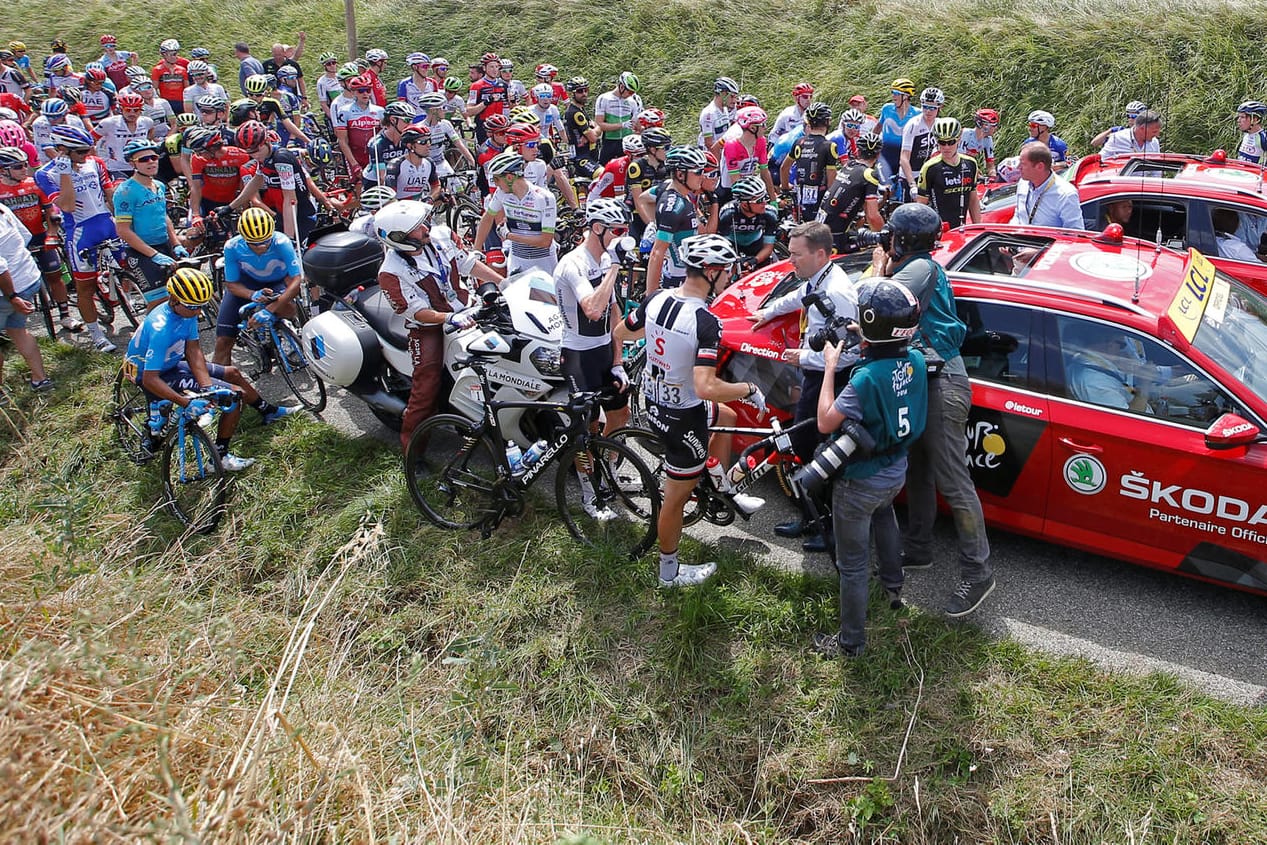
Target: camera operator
x,y
827,298
938,460
882,411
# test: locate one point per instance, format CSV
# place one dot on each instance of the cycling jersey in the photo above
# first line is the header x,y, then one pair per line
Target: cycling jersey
x,y
790,118
117,67
328,88
949,187
918,138
70,80
411,181
379,93
551,122
42,135
714,120
892,124
1059,149
170,80
490,92
535,213
643,173
846,198
27,202
282,171
611,108
738,161
113,134
221,175
577,277
443,134
159,344
537,172
748,234
192,92
1252,146
410,91
681,335
98,104
675,220
813,156
380,152
144,208
12,82
257,272
159,111
611,182
978,146
360,123
575,125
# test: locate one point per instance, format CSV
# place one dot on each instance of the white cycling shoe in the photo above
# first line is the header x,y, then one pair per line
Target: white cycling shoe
x,y
690,575
745,504
232,463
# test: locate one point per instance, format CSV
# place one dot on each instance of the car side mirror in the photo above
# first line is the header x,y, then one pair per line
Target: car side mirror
x,y
1230,432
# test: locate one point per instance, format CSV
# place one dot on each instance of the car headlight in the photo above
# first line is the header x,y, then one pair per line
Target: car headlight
x,y
547,361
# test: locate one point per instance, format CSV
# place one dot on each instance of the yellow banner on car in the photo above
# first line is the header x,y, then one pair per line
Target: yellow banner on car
x,y
1193,295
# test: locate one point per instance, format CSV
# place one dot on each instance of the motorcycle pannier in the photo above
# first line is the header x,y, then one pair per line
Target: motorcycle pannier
x,y
342,261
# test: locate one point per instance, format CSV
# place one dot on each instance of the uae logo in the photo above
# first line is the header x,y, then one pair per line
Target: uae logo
x,y
1084,474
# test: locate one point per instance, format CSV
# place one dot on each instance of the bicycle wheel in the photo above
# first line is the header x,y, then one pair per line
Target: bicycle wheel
x,y
105,308
302,379
130,412
194,480
464,217
635,360
125,291
453,472
607,496
253,354
44,305
649,447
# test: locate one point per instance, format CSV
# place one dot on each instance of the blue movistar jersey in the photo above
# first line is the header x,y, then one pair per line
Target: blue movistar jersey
x,y
159,344
244,266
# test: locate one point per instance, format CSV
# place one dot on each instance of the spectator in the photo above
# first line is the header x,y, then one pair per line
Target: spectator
x,y
248,65
1042,198
19,281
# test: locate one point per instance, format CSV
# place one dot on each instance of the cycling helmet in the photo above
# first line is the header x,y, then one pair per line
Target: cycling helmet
x,y
6,55
190,287
14,157
362,81
199,53
947,129
915,228
749,189
632,145
656,138
522,133
18,46
8,114
710,159
802,89
108,40
347,71
525,116
902,85
630,81
440,62
497,123
212,102
363,64
12,134
55,107
414,59
375,198
256,83
544,91
700,251
186,119
434,100
57,45
58,62
396,222
197,68
94,74
256,225
400,109
932,98
286,72
319,151
869,144
136,73
506,65
71,137
270,79
72,95
887,311
750,117
1042,118
747,100
1134,107
415,133
251,134
374,55
1010,170
240,111
137,146
986,117
327,57
129,101
452,83
648,118
577,83
819,114
198,138
489,57
1253,107
169,45
689,159
507,161
725,85
607,210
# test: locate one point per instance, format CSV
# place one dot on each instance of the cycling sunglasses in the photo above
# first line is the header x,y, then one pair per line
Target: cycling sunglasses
x,y
531,145
618,231
146,159
362,90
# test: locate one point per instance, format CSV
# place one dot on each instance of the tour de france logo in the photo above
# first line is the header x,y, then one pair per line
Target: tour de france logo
x,y
1085,474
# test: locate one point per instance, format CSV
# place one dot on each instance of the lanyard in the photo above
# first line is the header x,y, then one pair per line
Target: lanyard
x,y
1038,197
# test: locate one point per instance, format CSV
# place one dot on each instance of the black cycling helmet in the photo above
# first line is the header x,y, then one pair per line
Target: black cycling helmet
x,y
915,228
655,137
869,144
887,311
818,114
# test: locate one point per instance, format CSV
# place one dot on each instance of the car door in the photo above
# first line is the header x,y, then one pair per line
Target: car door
x,y
1251,230
1140,484
1007,453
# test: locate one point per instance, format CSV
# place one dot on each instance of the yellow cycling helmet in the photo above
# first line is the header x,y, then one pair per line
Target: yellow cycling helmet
x,y
256,226
190,287
903,85
17,46
525,116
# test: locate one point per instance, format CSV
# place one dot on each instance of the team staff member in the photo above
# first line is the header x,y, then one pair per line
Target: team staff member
x,y
885,404
140,216
938,460
1042,198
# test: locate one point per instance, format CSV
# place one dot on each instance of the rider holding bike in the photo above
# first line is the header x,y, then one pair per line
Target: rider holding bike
x,y
260,264
140,215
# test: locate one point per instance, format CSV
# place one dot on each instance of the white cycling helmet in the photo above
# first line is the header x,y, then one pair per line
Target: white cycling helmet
x,y
701,251
608,211
169,45
434,100
544,90
377,197
375,55
632,145
396,222
1042,118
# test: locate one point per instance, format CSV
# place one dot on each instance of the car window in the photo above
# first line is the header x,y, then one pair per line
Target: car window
x,y
1239,233
1140,217
997,345
1000,254
1114,367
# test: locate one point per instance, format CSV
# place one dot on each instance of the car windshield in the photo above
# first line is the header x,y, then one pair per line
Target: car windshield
x,y
1235,335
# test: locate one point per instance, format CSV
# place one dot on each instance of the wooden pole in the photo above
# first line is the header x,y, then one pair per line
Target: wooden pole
x,y
349,22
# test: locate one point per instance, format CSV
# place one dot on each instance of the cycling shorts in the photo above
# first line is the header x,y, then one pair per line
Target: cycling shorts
x,y
87,235
151,278
181,379
591,369
685,435
48,260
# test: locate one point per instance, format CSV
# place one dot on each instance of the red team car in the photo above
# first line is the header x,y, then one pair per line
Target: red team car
x,y
1119,396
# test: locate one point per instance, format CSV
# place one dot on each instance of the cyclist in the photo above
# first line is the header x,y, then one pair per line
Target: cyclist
x,y
440,73
274,114
644,171
97,99
516,93
611,182
497,126
277,177
1141,137
19,284
28,203
893,119
22,61
412,87
376,61
174,161
977,142
422,278
681,385
61,75
355,123
155,108
165,360
413,176
749,153
614,111
12,80
1041,124
526,140
169,75
814,158
716,117
852,124
114,133
385,147
442,134
373,200
140,216
582,136
749,223
793,117
200,85
78,183
1249,122
1133,108
455,102
53,113
548,113
329,85
260,264
948,181
530,215
676,217
212,110
487,96
214,170
115,61
918,142
884,407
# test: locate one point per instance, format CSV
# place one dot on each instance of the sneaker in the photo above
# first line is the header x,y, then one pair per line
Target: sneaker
x,y
745,504
42,386
103,344
828,646
72,324
232,463
911,565
894,597
595,511
968,597
282,412
690,575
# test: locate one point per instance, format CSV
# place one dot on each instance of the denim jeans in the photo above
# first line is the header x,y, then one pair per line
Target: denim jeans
x,y
938,464
858,509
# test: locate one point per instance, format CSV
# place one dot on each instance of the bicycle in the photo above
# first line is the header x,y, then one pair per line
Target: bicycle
x,y
277,343
460,477
116,285
195,483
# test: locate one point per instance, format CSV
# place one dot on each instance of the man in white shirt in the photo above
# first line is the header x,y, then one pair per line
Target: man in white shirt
x,y
1225,222
19,282
1140,138
1042,198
